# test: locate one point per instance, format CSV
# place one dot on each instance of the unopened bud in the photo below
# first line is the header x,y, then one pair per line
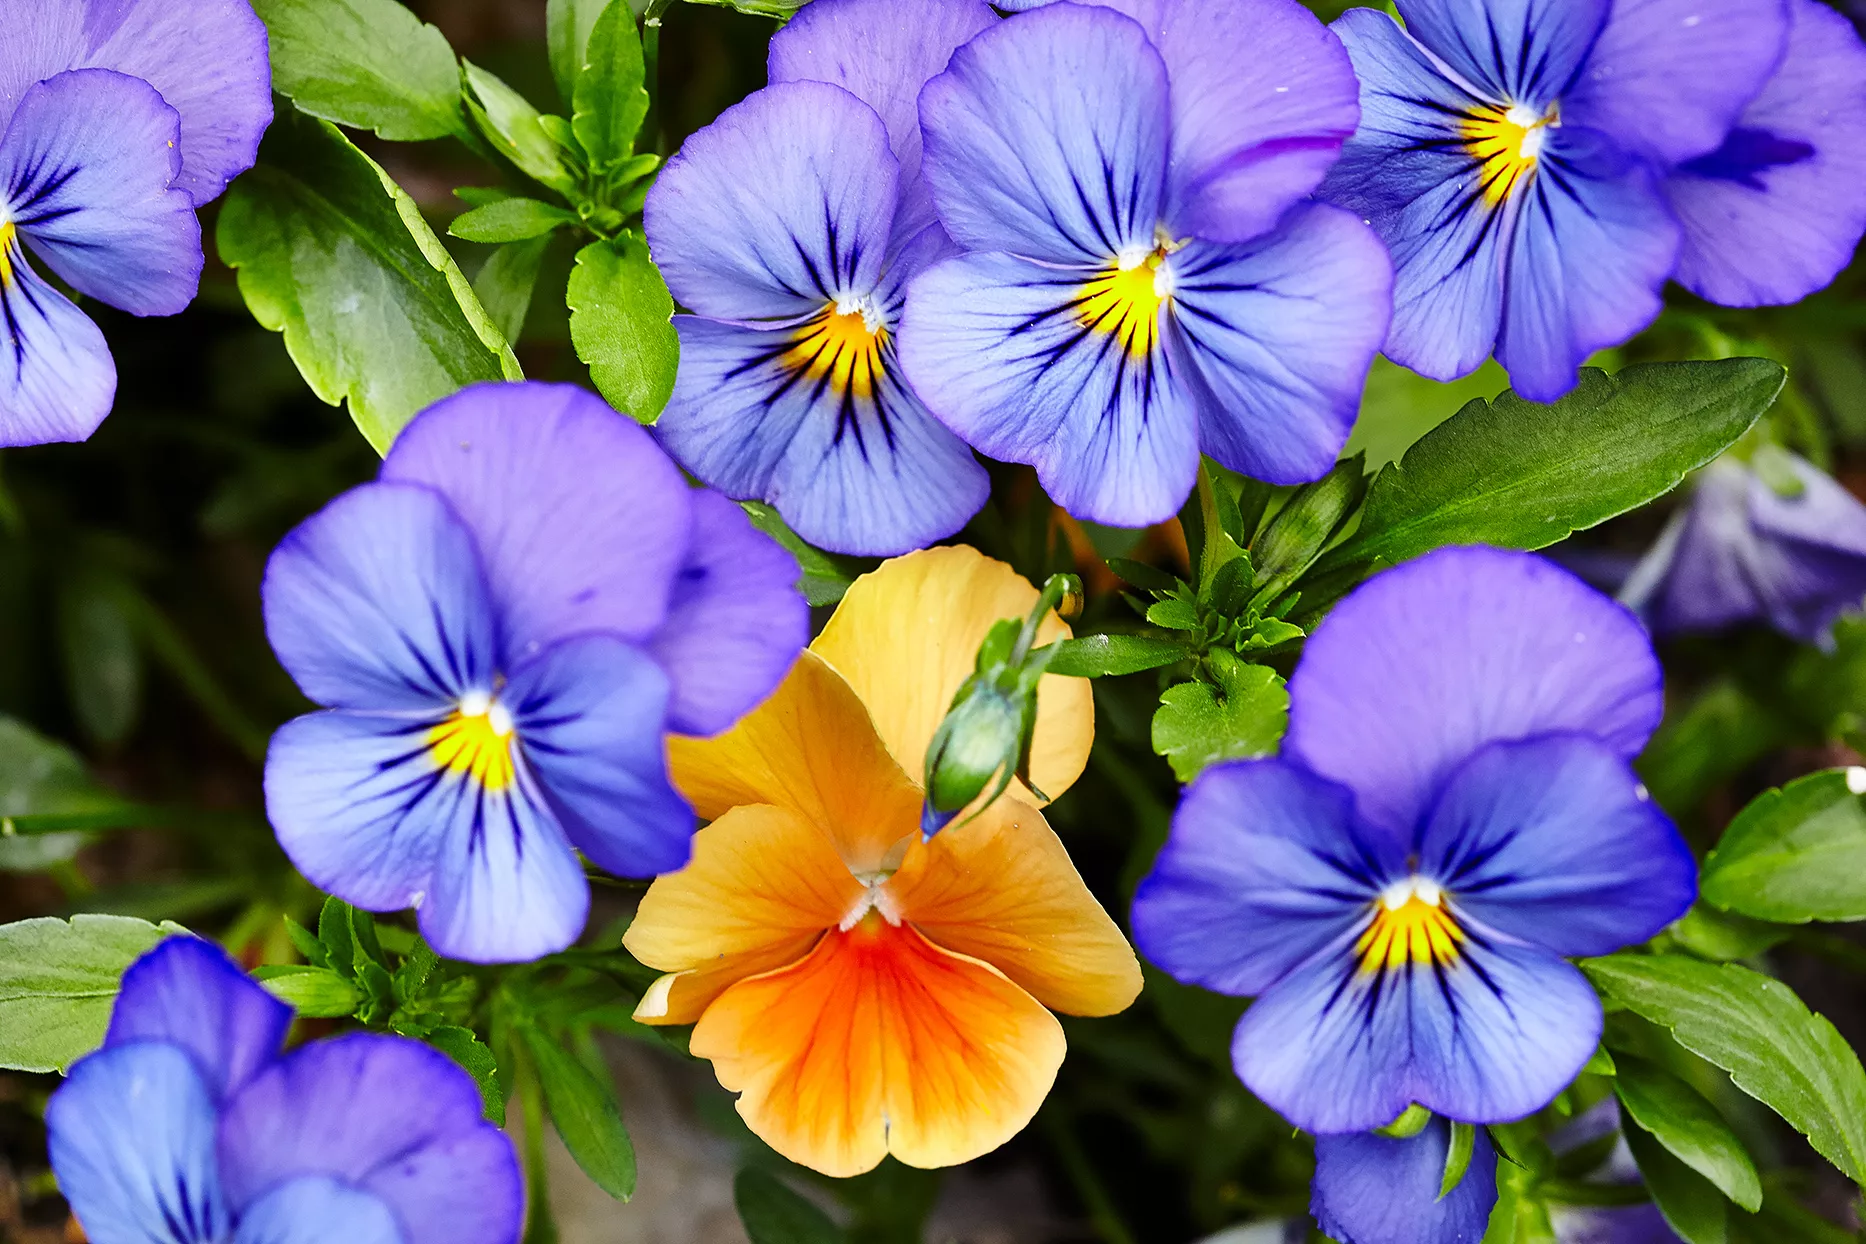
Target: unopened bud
x,y
979,741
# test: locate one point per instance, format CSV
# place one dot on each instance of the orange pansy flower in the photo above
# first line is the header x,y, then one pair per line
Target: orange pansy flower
x,y
864,992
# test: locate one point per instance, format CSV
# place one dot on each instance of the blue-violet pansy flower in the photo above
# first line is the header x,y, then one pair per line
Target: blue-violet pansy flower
x,y
1513,155
1144,281
1787,548
789,227
503,628
1453,815
1374,1189
117,118
190,1126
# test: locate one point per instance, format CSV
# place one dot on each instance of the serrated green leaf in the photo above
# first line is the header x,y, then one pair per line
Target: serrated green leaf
x,y
1755,1028
621,321
314,992
1688,1126
58,982
774,1214
585,1114
1240,715
41,777
477,1058
611,102
1691,1203
1519,474
367,64
1795,854
1096,656
510,220
334,254
516,129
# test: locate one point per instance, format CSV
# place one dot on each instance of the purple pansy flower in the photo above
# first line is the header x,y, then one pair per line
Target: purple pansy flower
x,y
1514,155
1144,281
790,227
503,629
1373,1189
1789,550
1452,816
190,1127
117,118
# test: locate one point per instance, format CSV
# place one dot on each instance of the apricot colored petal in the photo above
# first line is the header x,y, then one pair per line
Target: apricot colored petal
x,y
880,1042
810,748
1001,888
762,885
906,636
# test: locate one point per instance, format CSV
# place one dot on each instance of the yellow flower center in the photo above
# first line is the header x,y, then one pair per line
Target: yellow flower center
x,y
1127,301
1507,144
1410,924
8,237
476,741
843,343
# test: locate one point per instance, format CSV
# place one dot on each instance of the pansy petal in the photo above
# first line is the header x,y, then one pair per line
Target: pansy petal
x,y
1491,1036
1372,1189
1668,78
880,1042
131,1135
188,993
590,713
388,1116
1406,171
1047,137
1281,333
1001,888
581,522
1517,51
360,803
1260,872
57,379
812,749
377,601
783,203
209,60
85,169
1428,662
316,1209
1048,366
906,637
762,886
852,461
1593,245
735,623
865,48
1554,841
1775,212
42,40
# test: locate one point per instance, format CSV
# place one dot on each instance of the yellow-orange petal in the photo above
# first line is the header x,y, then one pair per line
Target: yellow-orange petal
x,y
1001,888
906,636
761,887
881,1042
810,748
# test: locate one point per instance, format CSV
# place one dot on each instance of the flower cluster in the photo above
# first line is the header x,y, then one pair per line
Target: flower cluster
x,y
117,119
190,1126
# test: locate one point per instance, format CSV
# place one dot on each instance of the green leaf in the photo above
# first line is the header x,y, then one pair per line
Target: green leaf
x,y
331,252
1457,1158
1313,516
40,777
1175,613
476,1057
780,9
1755,1028
567,26
1795,854
516,129
333,929
1239,715
1519,474
367,64
585,1113
510,220
1724,938
825,576
314,992
1095,656
1690,1202
1720,733
773,1214
58,982
621,321
506,282
1681,1119
610,100
102,658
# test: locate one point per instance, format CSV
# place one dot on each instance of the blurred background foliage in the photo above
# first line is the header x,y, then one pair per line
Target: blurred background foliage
x,y
135,680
